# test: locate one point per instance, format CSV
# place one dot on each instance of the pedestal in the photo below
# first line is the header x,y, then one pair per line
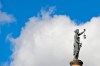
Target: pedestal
x,y
76,63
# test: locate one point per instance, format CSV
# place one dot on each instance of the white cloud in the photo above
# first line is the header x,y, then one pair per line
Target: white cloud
x,y
6,18
48,41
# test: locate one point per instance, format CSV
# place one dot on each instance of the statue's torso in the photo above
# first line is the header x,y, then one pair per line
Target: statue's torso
x,y
76,38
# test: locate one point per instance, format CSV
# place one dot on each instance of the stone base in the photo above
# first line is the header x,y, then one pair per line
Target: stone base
x,y
76,63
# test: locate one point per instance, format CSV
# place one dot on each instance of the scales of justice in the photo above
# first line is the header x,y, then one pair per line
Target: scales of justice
x,y
77,46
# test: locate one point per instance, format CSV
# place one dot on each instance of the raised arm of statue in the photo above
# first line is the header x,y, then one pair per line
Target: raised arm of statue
x,y
82,32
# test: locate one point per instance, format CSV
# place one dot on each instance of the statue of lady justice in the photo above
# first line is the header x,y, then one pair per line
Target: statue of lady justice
x,y
77,44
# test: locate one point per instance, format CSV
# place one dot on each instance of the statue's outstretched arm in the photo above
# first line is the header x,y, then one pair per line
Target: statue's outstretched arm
x,y
81,32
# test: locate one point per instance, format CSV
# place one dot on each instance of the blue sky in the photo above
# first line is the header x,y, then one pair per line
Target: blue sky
x,y
79,10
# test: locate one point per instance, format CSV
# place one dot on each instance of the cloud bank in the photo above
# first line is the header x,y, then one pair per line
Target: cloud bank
x,y
48,41
4,17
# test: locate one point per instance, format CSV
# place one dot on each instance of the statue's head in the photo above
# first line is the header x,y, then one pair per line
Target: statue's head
x,y
76,31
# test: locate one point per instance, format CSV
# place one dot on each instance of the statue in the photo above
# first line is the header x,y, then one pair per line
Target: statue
x,y
77,44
